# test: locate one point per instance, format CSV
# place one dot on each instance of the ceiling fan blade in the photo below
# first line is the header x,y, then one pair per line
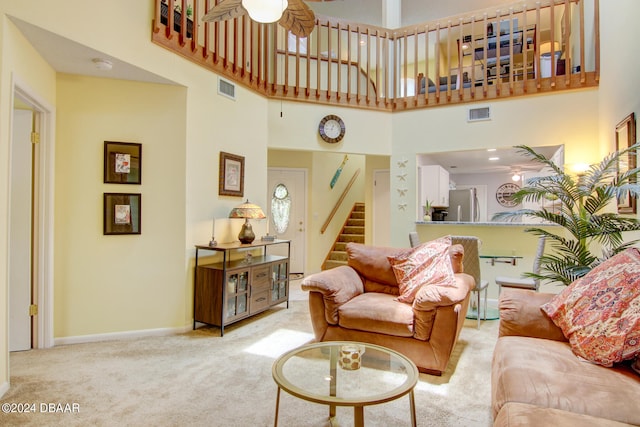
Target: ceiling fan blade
x,y
298,18
226,9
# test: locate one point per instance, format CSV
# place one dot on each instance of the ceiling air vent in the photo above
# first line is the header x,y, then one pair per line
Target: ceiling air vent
x,y
479,114
226,88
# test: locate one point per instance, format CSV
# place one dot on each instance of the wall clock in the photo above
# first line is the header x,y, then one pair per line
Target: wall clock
x,y
504,194
331,129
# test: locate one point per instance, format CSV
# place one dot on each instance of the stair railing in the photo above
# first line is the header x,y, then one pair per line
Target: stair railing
x,y
339,202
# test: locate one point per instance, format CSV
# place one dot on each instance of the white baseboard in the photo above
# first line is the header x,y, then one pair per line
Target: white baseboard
x,y
4,387
113,336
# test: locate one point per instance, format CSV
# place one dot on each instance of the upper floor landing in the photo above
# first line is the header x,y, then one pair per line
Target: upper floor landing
x,y
516,50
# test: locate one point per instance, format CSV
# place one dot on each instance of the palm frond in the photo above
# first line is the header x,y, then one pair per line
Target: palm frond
x,y
582,202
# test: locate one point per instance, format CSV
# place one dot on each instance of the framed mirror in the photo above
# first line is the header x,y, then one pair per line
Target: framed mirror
x,y
625,137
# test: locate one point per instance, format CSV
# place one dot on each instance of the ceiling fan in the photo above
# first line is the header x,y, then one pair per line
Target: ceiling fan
x,y
293,15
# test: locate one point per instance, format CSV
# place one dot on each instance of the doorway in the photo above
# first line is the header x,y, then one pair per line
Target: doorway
x,y
287,212
30,240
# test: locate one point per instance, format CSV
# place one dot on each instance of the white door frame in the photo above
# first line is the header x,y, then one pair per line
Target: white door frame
x,y
43,229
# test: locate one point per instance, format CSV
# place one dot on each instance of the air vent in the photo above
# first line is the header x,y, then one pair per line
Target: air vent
x,y
479,114
226,88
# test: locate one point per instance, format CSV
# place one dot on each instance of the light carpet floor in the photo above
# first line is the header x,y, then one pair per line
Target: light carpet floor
x,y
201,379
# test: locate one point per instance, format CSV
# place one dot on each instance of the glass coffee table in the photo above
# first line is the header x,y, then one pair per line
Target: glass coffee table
x,y
346,373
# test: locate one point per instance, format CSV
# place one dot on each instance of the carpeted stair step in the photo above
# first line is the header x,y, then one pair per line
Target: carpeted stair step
x,y
338,256
353,230
357,238
340,246
333,264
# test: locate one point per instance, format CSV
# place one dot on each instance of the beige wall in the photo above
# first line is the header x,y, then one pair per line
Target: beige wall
x,y
367,132
570,119
617,96
139,277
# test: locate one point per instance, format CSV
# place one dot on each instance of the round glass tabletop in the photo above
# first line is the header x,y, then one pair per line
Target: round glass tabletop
x,y
345,373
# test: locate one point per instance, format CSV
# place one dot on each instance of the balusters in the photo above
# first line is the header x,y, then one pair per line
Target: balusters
x,y
437,82
460,78
426,66
379,72
404,66
582,40
349,62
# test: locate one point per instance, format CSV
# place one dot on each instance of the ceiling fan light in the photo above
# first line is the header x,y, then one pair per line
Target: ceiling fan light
x,y
265,10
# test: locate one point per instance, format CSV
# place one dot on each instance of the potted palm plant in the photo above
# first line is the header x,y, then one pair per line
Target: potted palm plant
x,y
590,232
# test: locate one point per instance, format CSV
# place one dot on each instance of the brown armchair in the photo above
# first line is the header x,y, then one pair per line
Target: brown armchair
x,y
358,302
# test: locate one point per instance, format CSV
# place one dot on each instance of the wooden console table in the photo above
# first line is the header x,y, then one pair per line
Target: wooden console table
x,y
234,289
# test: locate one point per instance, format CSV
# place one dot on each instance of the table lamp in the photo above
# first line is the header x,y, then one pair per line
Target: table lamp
x,y
247,211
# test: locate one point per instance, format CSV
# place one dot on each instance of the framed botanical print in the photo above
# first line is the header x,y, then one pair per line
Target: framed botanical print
x,y
122,163
626,137
122,213
231,179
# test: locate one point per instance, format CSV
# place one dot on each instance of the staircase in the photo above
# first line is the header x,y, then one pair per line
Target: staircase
x,y
352,231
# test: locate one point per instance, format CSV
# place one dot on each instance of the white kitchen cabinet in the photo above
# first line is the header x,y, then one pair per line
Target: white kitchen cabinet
x,y
433,185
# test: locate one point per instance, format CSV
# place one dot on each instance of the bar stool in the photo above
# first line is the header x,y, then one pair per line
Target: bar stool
x,y
524,282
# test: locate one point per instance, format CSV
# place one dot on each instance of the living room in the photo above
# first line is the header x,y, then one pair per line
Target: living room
x,y
97,286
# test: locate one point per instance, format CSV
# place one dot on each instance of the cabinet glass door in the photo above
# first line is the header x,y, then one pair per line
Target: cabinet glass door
x,y
280,281
237,294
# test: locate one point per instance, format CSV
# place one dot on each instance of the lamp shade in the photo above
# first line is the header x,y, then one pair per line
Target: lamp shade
x,y
265,10
247,210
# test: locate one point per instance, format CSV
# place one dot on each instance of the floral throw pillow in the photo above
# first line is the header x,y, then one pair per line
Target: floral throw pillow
x,y
428,263
600,312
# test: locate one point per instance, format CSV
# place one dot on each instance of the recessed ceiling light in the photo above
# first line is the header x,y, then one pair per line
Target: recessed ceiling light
x,y
491,149
493,159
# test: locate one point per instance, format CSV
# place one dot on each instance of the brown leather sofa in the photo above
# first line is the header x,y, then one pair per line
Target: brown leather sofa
x,y
536,380
357,302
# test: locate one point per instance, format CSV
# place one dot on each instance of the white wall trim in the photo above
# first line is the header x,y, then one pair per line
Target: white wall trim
x,y
114,336
46,203
4,387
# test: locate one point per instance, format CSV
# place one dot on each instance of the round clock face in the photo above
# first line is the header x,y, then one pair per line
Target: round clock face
x,y
331,129
504,194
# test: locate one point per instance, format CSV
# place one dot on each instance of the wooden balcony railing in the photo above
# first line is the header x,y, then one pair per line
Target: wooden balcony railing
x,y
483,55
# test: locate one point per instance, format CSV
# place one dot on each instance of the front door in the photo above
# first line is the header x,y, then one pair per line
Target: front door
x,y
286,205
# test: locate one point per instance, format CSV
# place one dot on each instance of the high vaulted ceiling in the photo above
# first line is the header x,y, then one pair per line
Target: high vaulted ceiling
x,y
67,56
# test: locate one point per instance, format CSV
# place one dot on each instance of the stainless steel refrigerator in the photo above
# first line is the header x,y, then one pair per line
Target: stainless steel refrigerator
x,y
463,205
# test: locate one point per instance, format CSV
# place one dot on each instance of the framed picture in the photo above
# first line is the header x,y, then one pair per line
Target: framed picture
x,y
121,213
122,163
625,137
231,180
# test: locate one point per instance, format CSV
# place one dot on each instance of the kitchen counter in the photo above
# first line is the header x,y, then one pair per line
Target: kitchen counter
x,y
484,224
